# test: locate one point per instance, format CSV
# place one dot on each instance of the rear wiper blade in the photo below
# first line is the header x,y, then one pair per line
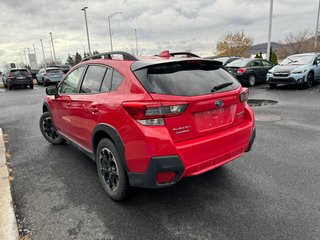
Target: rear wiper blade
x,y
221,86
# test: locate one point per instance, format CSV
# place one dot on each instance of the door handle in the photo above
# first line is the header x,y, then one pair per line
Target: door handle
x,y
94,109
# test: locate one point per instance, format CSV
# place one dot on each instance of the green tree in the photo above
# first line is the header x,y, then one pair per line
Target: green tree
x,y
70,60
273,57
258,55
77,58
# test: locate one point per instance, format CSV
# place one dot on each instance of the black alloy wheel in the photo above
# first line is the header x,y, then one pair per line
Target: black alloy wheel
x,y
110,170
309,82
48,130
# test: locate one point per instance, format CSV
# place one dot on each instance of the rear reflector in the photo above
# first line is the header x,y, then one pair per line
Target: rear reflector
x,y
244,95
165,177
153,113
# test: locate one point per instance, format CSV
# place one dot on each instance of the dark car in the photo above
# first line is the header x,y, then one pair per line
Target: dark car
x,y
64,68
250,71
224,60
34,72
17,76
151,122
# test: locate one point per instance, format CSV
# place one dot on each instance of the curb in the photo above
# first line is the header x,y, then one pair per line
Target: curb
x,y
8,223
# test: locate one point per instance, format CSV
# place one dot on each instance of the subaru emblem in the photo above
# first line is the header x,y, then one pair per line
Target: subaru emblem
x,y
219,103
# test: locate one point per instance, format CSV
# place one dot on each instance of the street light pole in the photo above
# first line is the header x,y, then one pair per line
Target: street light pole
x,y
54,53
269,32
317,26
85,18
109,20
44,58
50,51
135,31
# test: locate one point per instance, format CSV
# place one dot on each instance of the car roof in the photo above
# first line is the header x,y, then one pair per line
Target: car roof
x,y
136,63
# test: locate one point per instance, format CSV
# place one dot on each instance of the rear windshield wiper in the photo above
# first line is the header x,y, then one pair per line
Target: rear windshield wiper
x,y
223,85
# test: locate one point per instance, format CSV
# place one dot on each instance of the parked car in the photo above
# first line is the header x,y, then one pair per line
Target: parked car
x,y
64,68
300,69
17,77
151,122
250,71
47,76
34,73
224,60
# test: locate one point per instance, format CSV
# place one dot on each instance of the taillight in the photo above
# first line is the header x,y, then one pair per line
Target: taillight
x,y
29,75
244,95
10,76
153,113
241,70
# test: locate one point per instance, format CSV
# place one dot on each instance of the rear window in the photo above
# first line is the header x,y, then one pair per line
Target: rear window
x,y
53,70
239,63
185,78
19,72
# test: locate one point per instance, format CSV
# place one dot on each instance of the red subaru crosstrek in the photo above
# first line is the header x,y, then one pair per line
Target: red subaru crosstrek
x,y
151,121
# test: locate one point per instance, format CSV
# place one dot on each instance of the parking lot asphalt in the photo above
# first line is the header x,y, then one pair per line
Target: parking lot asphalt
x,y
271,192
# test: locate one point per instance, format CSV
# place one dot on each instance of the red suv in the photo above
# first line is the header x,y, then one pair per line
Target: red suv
x,y
151,121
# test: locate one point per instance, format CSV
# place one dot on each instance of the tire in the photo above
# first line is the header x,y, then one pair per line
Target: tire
x,y
111,172
272,85
31,86
309,82
10,87
251,80
48,130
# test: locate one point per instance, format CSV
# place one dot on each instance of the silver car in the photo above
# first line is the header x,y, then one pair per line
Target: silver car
x,y
302,69
47,76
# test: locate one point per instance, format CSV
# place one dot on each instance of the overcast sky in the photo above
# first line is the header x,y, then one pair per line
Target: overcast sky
x,y
176,25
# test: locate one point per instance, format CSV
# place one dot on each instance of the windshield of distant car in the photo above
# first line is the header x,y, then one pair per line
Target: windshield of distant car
x,y
222,59
239,63
297,60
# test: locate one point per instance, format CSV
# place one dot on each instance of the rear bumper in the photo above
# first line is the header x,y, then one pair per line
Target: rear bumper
x,y
156,165
20,82
197,157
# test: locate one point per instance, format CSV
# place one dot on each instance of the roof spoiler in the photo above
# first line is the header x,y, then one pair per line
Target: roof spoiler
x,y
168,54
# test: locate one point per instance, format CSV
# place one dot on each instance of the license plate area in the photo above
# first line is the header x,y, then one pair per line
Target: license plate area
x,y
215,118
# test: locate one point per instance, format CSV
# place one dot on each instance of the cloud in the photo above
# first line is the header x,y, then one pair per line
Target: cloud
x,y
168,24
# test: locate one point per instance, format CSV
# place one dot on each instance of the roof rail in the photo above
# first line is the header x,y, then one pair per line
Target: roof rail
x,y
108,55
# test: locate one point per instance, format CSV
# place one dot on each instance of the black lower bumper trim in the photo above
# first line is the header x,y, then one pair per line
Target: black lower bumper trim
x,y
157,164
252,138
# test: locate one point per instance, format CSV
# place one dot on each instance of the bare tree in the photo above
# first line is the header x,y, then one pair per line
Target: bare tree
x,y
294,43
234,44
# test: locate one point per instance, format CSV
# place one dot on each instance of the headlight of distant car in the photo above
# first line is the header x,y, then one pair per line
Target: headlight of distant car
x,y
299,71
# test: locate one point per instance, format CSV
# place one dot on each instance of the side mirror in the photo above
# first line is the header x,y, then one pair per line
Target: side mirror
x,y
52,91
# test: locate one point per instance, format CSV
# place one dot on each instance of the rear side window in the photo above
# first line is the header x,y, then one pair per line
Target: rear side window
x,y
117,79
93,79
71,82
185,78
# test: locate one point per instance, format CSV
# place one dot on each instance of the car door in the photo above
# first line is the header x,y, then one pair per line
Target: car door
x,y
86,106
60,109
316,64
257,69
